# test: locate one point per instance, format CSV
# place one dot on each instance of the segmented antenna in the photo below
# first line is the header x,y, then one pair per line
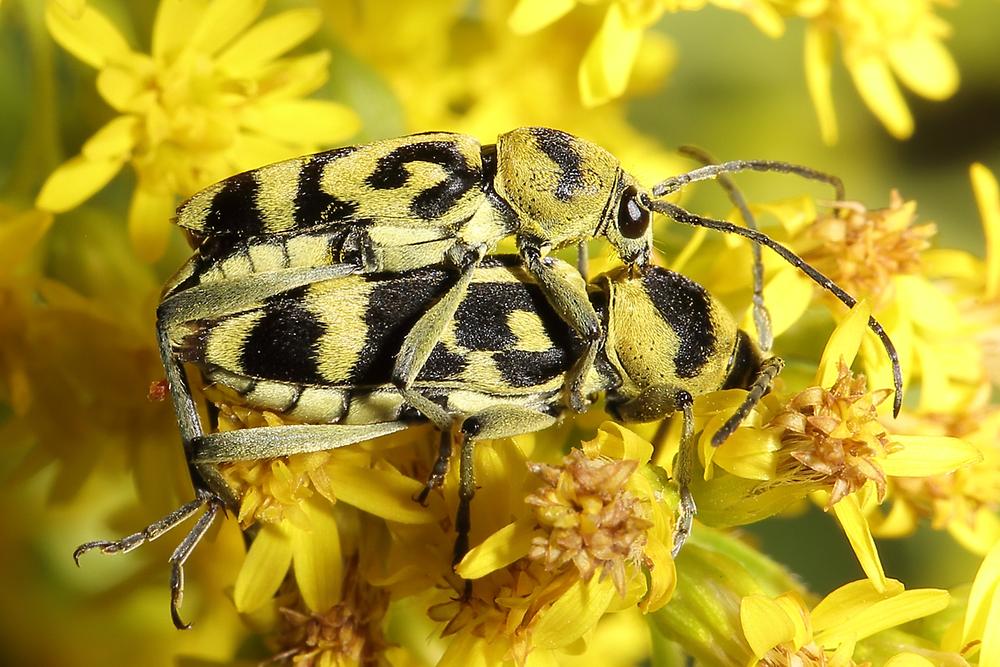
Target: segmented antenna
x,y
686,217
761,318
675,183
769,370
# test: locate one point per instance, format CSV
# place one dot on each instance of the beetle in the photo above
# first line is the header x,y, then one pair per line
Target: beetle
x,y
319,344
435,197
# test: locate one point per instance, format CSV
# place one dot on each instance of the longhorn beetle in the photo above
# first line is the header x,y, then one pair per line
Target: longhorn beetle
x,y
273,244
419,200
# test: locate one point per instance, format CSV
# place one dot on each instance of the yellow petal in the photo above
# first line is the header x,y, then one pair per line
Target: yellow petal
x,y
498,550
531,15
852,521
269,39
251,150
126,88
303,121
983,608
984,186
175,21
608,62
75,181
950,263
149,215
901,521
316,557
843,603
662,575
878,89
747,453
384,493
617,442
263,569
924,456
878,615
113,141
819,74
844,343
765,624
89,35
924,66
980,534
295,77
575,613
788,294
220,22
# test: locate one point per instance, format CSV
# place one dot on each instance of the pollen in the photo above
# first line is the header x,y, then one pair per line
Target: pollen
x,y
834,436
863,250
349,633
589,518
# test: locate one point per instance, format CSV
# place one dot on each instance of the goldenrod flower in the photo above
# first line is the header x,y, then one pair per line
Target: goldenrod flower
x,y
214,97
881,41
611,55
783,630
863,250
347,633
542,582
826,438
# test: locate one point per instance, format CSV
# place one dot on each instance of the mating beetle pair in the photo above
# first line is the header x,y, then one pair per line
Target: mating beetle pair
x,y
352,291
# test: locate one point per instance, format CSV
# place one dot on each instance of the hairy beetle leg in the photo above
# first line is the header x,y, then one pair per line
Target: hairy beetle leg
x,y
439,469
204,498
180,556
685,453
150,532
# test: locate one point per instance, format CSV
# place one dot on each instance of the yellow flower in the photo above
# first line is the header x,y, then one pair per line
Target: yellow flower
x,y
881,41
347,633
214,97
582,535
783,630
604,72
826,438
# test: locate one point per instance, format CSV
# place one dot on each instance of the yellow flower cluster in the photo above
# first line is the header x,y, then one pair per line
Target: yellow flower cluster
x,y
571,528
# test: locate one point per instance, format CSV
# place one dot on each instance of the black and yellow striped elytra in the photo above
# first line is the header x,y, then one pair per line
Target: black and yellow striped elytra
x,y
318,344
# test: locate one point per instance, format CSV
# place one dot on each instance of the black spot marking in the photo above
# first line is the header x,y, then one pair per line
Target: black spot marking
x,y
394,306
481,318
283,344
442,365
520,368
234,211
313,206
685,306
558,146
391,173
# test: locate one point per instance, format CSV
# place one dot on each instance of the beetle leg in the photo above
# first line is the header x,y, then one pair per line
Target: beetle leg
x,y
180,556
682,472
439,469
421,340
569,300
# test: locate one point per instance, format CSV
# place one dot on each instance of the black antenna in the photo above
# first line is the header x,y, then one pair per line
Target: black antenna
x,y
686,217
675,183
761,318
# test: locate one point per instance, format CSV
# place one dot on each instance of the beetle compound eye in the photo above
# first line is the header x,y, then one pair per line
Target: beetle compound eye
x,y
633,220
